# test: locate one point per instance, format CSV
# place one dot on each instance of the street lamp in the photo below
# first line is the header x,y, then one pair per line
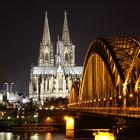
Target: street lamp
x,y
131,95
120,97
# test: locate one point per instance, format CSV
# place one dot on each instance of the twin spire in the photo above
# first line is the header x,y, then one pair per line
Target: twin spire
x,y
65,49
46,39
65,34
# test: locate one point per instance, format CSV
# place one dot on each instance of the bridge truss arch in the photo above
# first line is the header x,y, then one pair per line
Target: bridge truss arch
x,y
74,93
111,73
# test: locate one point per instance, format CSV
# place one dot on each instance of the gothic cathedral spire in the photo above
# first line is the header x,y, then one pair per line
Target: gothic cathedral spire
x,y
46,57
65,34
46,32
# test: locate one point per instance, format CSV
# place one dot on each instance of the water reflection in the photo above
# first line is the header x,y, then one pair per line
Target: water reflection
x,y
103,134
5,136
32,136
35,136
69,127
99,135
48,136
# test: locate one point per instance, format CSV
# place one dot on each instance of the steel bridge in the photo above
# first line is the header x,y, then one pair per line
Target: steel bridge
x,y
110,81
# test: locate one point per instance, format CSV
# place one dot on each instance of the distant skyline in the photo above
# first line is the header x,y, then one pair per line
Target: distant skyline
x,y
21,27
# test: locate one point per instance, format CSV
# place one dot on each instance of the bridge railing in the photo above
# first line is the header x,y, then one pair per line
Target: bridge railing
x,y
114,111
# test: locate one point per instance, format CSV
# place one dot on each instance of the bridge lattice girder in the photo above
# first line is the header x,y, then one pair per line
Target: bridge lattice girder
x,y
126,51
74,93
116,53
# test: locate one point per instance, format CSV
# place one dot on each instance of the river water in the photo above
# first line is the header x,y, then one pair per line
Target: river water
x,y
62,135
46,136
32,136
85,129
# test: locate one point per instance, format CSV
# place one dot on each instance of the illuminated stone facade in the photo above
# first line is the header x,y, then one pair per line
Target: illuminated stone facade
x,y
54,75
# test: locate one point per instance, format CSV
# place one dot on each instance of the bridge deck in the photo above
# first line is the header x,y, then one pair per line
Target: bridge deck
x,y
131,112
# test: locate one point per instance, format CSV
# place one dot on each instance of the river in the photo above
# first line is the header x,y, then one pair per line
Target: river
x,y
84,129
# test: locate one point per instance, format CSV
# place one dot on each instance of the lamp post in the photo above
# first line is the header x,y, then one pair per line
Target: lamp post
x,y
131,100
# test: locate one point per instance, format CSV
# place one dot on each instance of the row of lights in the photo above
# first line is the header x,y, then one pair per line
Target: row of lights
x,y
104,99
96,100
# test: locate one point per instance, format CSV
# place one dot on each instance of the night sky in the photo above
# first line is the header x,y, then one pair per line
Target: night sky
x,y
21,27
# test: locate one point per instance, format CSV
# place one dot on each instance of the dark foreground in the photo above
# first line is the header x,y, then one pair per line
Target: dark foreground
x,y
53,127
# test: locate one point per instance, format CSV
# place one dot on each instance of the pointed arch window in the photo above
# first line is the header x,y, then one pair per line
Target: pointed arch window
x,y
47,56
66,56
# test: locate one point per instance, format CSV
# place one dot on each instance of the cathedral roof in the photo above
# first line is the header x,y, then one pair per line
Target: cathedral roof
x,y
51,70
44,70
73,70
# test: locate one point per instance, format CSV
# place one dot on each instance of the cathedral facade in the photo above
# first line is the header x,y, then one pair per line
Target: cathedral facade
x,y
54,74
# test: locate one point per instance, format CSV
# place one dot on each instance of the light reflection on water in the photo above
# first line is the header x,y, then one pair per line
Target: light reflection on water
x,y
32,136
50,136
104,135
5,136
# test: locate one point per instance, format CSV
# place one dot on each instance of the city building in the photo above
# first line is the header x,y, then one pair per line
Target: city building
x,y
54,74
7,95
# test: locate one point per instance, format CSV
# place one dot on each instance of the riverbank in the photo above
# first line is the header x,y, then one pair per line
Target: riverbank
x,y
31,128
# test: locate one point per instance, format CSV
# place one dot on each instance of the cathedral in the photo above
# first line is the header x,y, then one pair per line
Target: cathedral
x,y
54,74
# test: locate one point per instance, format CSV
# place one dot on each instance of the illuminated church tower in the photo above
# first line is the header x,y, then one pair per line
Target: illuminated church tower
x,y
46,57
65,49
53,77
